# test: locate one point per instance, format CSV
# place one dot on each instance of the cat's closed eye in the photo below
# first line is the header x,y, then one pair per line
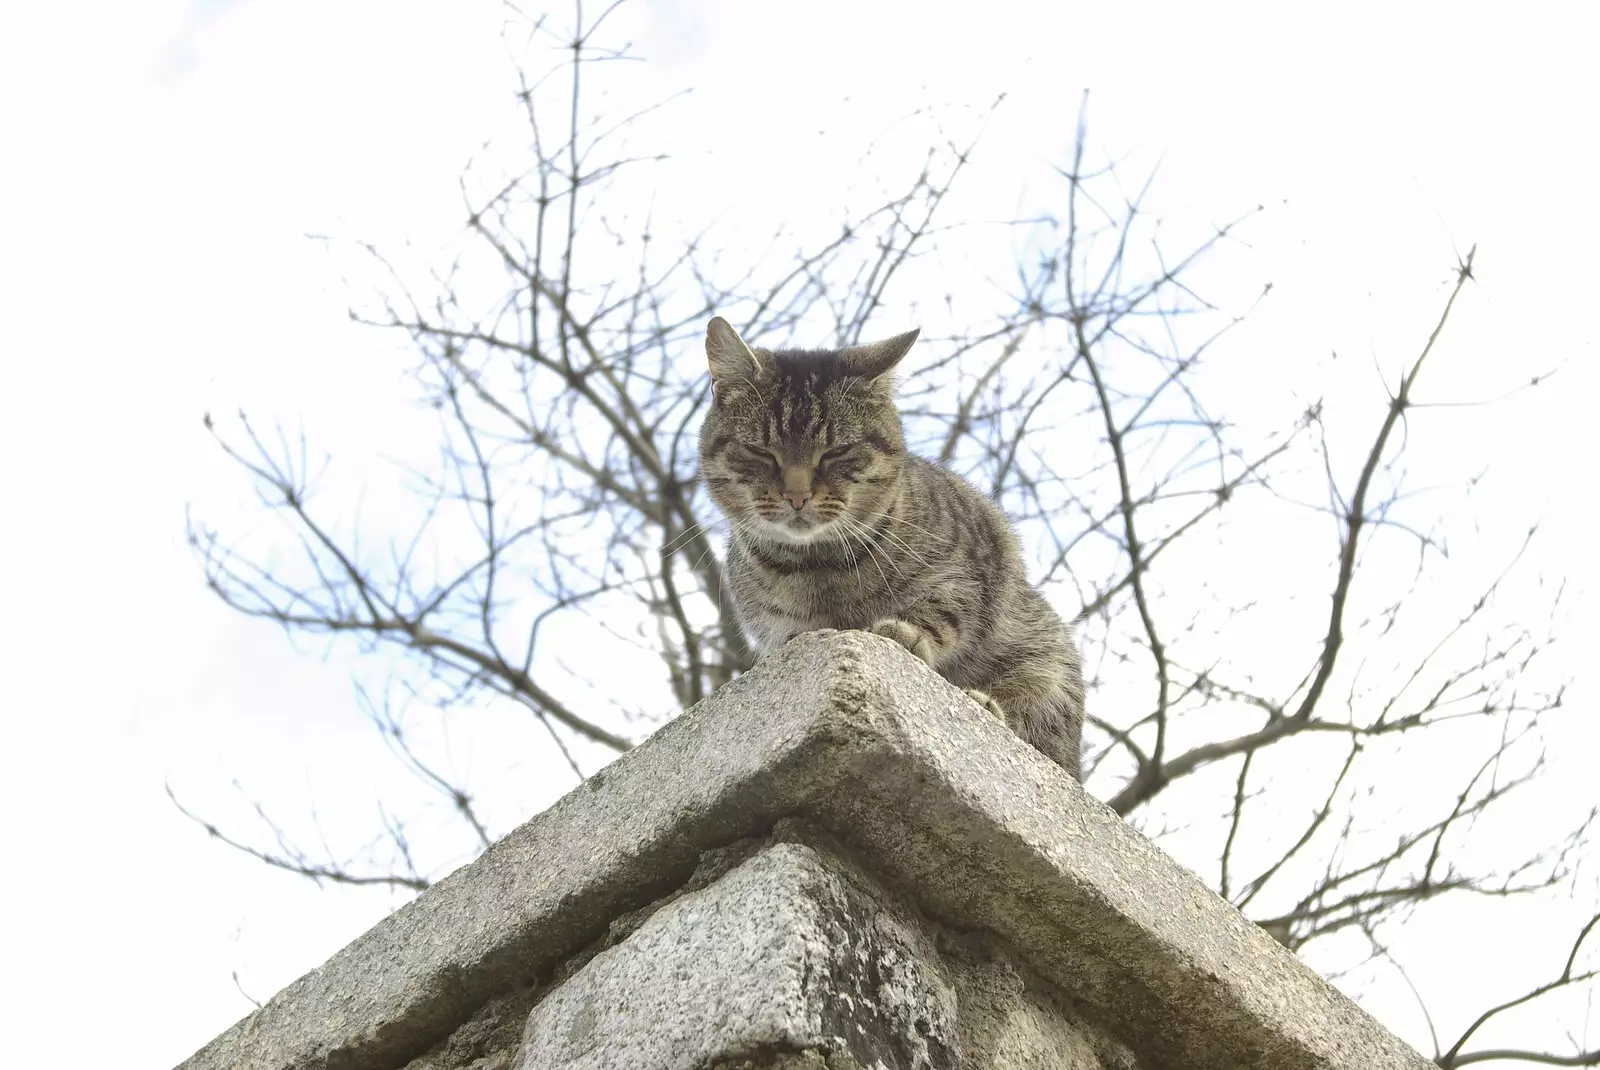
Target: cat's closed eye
x,y
837,452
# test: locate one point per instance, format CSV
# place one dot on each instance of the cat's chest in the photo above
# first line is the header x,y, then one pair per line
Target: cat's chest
x,y
825,594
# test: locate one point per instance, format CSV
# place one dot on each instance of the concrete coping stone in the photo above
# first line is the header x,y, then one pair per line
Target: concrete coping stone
x,y
848,731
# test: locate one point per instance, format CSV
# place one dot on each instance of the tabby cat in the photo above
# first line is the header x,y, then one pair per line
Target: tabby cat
x,y
835,525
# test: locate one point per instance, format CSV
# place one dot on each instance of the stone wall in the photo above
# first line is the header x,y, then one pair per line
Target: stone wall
x,y
837,861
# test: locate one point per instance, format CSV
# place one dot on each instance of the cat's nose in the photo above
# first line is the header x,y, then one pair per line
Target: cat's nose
x,y
797,498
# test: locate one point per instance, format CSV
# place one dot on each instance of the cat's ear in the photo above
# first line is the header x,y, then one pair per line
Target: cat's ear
x,y
876,359
730,360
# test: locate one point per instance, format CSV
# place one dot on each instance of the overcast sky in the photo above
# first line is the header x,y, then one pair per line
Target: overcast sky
x,y
165,160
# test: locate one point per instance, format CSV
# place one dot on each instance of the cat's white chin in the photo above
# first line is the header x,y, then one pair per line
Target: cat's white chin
x,y
790,535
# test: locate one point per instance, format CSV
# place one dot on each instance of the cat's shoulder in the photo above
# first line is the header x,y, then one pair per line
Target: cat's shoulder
x,y
938,474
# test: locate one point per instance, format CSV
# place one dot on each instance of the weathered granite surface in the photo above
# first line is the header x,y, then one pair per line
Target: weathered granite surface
x,y
932,797
797,952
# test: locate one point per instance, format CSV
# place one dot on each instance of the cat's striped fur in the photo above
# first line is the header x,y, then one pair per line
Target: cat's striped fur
x,y
835,525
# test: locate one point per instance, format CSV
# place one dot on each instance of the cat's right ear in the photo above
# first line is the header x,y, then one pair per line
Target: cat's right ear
x,y
730,360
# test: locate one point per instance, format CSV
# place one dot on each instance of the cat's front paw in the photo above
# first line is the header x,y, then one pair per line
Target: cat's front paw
x,y
907,635
984,699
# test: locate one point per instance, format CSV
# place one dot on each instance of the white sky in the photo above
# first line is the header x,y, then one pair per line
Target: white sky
x,y
164,160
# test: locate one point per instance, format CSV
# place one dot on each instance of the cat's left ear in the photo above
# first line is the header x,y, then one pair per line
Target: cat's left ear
x,y
876,359
730,360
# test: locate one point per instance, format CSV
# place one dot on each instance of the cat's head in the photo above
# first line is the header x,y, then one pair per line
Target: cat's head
x,y
801,444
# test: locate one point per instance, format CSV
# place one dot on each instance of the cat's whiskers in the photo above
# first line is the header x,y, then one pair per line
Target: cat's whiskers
x,y
844,537
914,527
741,525
906,547
849,523
902,544
701,560
840,536
905,544
677,541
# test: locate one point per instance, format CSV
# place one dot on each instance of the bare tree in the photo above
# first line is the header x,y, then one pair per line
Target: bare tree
x,y
1085,400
